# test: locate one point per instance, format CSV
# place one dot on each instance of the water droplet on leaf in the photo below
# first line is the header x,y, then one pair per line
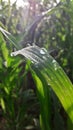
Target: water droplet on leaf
x,y
55,64
53,61
43,51
44,58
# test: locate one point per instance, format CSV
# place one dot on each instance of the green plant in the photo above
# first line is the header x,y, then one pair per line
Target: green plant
x,y
16,100
47,74
45,69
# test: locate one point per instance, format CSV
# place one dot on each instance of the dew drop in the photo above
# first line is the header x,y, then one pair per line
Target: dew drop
x,y
56,68
12,54
44,58
55,65
53,61
43,51
28,44
15,53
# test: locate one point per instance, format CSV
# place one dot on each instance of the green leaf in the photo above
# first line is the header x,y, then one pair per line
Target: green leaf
x,y
52,73
2,104
9,37
3,47
43,95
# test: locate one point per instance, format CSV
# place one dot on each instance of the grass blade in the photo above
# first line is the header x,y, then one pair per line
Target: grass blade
x,y
53,73
44,99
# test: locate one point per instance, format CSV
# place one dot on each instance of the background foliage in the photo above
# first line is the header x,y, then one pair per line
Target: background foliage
x,y
53,31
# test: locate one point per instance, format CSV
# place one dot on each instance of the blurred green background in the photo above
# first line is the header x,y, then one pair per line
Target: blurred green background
x,y
29,25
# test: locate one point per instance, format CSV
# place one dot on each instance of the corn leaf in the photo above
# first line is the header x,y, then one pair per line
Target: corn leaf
x,y
44,99
53,74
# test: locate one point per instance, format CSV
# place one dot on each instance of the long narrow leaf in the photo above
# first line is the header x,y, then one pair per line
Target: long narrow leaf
x,y
9,37
53,73
43,95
